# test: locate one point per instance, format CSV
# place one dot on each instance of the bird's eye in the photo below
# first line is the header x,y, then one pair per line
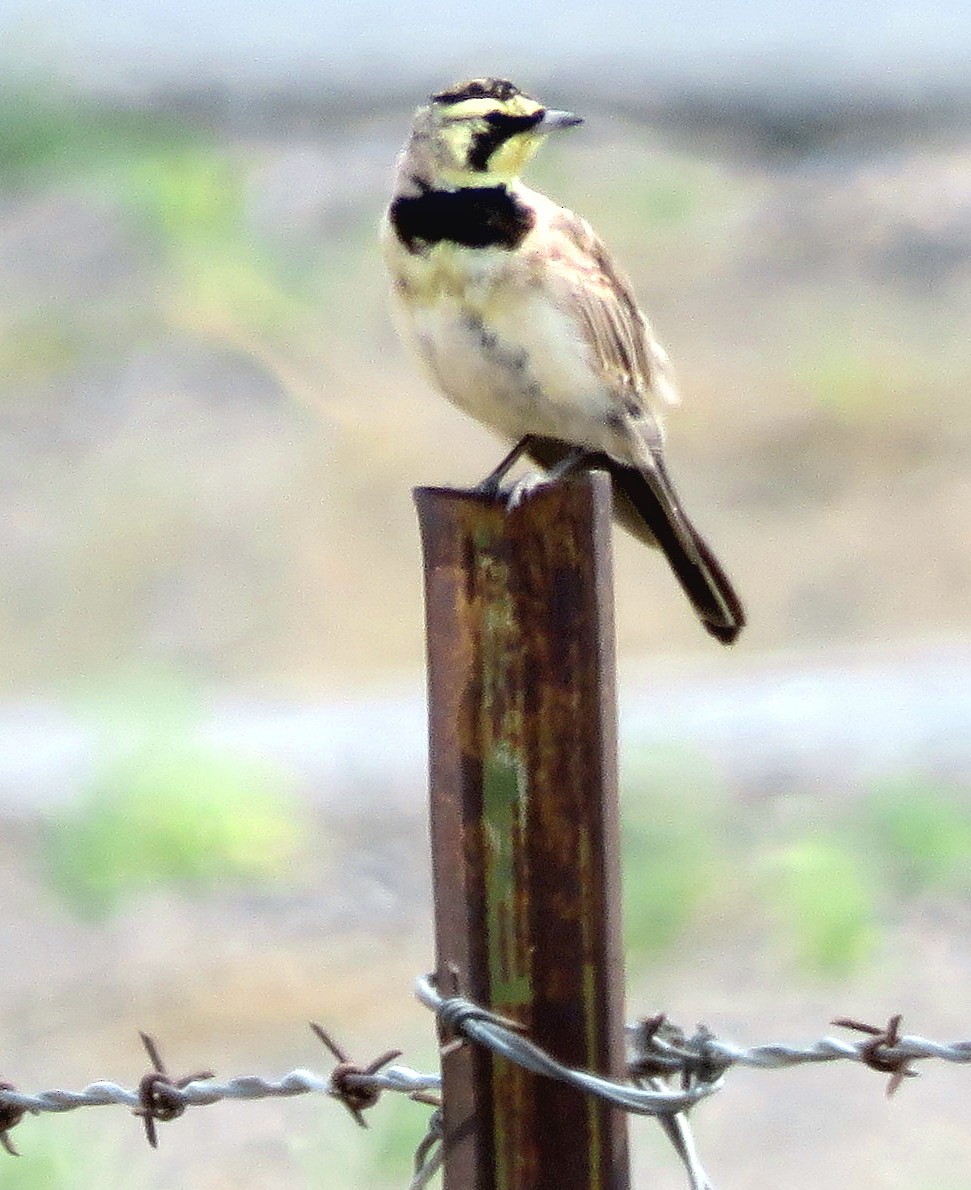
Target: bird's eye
x,y
496,119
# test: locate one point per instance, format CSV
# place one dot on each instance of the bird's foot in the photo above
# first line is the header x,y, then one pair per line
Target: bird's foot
x,y
492,484
490,487
528,486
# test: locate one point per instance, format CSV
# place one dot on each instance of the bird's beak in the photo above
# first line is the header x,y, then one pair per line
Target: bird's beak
x,y
552,121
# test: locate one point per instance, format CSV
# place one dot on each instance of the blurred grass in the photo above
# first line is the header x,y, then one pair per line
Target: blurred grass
x,y
189,192
922,832
673,849
827,880
693,859
402,1125
167,810
380,1157
39,345
220,280
70,1153
649,194
824,881
856,379
184,194
823,896
46,133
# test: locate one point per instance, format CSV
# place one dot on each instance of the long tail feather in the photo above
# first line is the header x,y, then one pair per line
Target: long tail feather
x,y
647,506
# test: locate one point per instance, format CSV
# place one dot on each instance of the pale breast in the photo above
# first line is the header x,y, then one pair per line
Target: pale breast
x,y
499,346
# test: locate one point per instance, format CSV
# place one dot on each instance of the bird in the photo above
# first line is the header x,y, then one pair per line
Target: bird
x,y
522,319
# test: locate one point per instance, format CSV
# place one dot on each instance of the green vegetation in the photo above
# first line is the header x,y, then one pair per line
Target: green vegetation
x,y
824,898
673,854
185,197
189,192
168,810
332,1142
219,279
39,345
665,190
399,1125
922,832
69,1153
844,379
44,132
375,1158
821,881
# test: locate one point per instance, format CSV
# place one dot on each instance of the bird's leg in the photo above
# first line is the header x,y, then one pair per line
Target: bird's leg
x,y
572,461
568,464
490,485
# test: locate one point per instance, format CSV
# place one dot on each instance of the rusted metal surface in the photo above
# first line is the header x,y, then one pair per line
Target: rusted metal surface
x,y
524,825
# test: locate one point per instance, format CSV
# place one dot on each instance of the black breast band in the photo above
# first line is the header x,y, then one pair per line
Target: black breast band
x,y
480,217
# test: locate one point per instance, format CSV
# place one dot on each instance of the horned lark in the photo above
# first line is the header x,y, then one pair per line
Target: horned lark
x,y
522,320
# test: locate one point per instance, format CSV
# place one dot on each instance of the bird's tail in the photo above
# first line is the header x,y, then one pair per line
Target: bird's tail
x,y
646,505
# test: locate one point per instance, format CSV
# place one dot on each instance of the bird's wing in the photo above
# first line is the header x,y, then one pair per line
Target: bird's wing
x,y
599,296
623,348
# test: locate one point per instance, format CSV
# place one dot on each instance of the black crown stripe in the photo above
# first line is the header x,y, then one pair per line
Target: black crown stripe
x,y
501,89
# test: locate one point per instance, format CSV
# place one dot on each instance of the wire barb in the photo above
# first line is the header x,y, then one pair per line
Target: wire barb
x,y
881,1052
494,1032
659,1053
353,1085
158,1093
649,1095
430,1154
10,1117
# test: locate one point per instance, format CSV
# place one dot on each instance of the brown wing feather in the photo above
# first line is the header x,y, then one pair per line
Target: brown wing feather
x,y
636,369
622,341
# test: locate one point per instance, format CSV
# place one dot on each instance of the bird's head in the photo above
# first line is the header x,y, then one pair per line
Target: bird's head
x,y
480,133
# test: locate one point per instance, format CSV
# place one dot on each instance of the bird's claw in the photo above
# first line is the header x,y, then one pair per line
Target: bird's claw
x,y
528,486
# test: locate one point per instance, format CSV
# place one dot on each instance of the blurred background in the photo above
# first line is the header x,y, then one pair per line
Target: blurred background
x,y
212,735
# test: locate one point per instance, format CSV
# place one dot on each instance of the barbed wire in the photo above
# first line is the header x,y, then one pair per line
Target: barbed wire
x,y
657,1051
430,1154
504,1037
159,1097
658,1048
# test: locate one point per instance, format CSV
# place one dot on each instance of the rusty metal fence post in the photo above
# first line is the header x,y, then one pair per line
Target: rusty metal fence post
x,y
523,791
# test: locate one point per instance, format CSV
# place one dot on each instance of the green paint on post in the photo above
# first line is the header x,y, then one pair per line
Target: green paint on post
x,y
502,804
